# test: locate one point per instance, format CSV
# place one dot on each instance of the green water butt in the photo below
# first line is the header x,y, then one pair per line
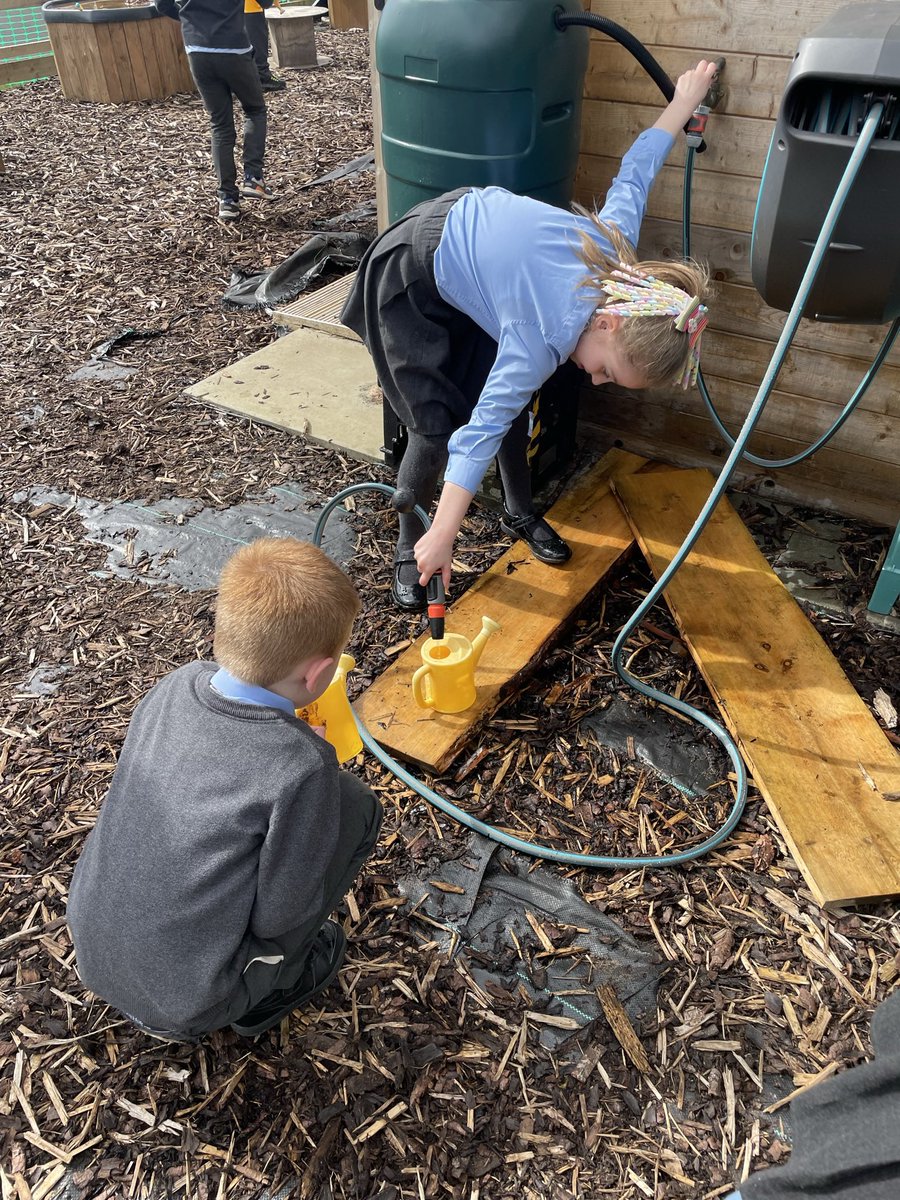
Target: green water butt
x,y
479,92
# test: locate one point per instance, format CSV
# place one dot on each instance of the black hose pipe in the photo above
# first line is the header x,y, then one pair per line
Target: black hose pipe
x,y
627,39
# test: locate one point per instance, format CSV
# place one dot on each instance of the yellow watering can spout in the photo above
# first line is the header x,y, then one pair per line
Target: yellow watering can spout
x,y
488,626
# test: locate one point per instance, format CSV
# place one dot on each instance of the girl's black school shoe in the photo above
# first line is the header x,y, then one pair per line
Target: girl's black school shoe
x,y
540,537
406,591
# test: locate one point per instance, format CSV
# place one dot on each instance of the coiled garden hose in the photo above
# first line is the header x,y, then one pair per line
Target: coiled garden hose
x,y
862,388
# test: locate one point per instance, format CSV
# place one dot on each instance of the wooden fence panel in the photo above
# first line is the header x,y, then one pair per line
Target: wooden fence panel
x,y
860,470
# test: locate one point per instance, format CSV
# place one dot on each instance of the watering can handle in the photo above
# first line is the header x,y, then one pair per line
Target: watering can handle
x,y
419,690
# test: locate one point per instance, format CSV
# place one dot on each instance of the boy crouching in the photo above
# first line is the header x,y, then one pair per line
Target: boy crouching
x,y
229,832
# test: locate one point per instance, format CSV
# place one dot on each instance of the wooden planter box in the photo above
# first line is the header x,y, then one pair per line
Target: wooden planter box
x,y
112,55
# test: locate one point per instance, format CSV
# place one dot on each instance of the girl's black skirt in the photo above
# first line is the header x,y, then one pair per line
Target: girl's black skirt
x,y
431,359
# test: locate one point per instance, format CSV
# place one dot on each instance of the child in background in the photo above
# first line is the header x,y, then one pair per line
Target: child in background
x,y
255,21
222,64
229,832
470,302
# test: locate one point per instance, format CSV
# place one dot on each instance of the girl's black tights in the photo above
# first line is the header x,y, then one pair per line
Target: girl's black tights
x,y
420,468
425,458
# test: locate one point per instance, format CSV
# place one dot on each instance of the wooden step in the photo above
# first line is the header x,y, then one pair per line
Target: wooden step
x,y
532,602
821,761
320,309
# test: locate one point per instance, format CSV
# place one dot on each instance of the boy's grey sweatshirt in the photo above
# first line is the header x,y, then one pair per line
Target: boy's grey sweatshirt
x,y
214,839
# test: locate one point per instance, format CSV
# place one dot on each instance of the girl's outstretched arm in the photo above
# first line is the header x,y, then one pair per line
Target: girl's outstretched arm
x,y
434,549
690,89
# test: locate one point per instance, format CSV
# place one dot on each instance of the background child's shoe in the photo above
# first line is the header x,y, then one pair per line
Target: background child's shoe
x,y
322,966
272,84
256,189
541,538
229,209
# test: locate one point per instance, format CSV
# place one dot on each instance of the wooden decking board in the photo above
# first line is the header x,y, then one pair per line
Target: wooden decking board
x,y
320,309
817,754
529,599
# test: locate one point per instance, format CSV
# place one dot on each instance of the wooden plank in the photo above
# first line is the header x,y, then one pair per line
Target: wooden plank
x,y
79,48
752,84
28,49
740,309
829,380
6,5
68,79
787,420
719,200
172,58
119,60
712,27
320,309
107,66
135,49
726,252
26,69
790,486
817,754
735,145
530,600
348,14
149,40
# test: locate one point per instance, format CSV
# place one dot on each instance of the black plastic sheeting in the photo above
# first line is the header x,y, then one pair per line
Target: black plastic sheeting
x,y
498,888
348,170
284,283
668,745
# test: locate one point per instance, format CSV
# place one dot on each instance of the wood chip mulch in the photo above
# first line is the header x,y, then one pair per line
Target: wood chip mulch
x,y
412,1081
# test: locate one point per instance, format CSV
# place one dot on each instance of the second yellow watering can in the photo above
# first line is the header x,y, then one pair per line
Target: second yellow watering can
x,y
332,709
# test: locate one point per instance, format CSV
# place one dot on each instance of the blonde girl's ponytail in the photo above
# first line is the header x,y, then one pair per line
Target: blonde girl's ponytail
x,y
654,344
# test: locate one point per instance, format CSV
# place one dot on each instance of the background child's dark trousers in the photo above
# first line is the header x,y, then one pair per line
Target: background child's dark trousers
x,y
258,33
220,79
360,824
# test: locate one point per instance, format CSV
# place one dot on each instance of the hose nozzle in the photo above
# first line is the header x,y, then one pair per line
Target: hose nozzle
x,y
437,606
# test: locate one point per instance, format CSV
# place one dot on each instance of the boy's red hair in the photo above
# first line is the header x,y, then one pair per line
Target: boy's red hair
x,y
280,602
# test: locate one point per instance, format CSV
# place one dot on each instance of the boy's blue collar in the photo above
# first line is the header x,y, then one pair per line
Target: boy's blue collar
x,y
232,688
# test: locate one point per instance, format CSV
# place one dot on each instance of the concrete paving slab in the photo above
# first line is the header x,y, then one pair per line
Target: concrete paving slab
x,y
307,382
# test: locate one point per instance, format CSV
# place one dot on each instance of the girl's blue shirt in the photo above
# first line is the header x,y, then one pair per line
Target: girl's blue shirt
x,y
512,264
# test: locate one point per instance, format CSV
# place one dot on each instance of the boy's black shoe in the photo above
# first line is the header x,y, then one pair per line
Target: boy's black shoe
x,y
406,591
272,84
323,964
543,540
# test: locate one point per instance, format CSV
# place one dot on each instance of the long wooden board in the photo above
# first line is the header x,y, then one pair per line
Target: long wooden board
x,y
817,754
530,600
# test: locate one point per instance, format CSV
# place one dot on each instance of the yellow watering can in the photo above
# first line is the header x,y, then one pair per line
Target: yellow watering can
x,y
446,679
332,709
